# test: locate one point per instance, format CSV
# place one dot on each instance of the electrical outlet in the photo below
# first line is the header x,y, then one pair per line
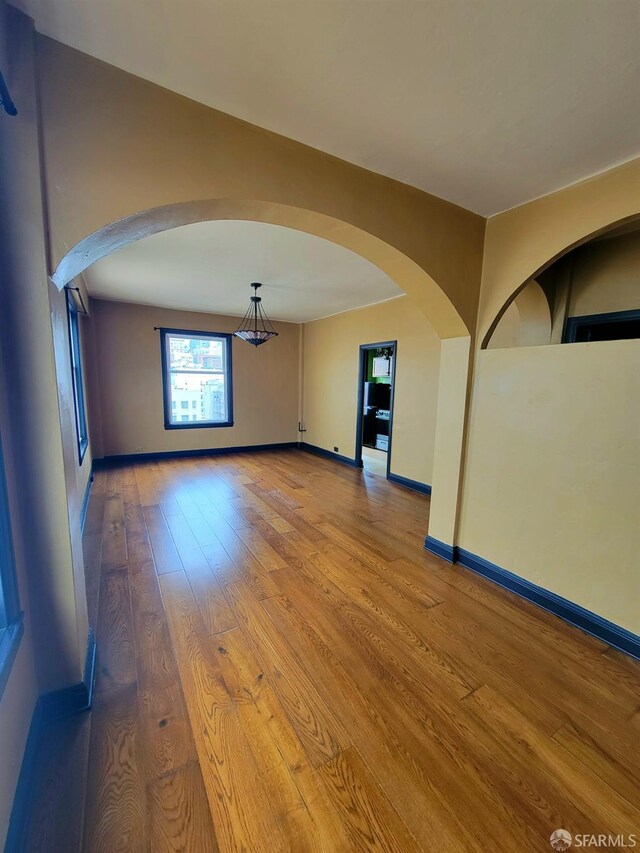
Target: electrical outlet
x,y
336,449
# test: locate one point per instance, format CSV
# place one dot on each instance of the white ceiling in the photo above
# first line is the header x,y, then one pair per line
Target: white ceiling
x,y
487,103
210,265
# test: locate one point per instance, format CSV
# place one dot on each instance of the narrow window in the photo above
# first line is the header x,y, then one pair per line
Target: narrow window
x,y
196,372
82,433
10,616
614,326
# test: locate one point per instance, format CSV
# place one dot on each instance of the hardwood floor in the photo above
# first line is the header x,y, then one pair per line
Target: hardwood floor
x,y
282,667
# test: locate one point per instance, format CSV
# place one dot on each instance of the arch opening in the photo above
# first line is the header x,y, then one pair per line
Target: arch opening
x,y
556,278
426,294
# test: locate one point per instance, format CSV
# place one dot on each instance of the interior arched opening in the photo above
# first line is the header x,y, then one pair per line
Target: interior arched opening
x,y
421,438
590,291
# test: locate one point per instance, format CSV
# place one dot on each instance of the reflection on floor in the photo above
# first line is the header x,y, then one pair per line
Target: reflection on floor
x,y
374,461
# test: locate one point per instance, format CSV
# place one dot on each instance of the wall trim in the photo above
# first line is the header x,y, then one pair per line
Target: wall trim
x,y
51,706
441,549
589,622
85,500
415,485
118,458
586,620
327,454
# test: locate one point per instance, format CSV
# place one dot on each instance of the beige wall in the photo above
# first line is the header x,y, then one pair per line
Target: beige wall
x,y
552,486
76,474
601,276
21,691
129,391
526,322
31,370
522,241
100,124
51,652
331,351
507,332
606,276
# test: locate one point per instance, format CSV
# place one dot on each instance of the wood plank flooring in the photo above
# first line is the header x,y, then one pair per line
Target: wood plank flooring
x,y
281,667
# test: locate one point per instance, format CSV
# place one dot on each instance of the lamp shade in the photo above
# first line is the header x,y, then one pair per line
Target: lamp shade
x,y
255,327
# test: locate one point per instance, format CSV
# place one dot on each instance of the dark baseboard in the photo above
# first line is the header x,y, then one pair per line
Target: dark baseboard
x,y
415,485
49,707
441,549
85,501
576,615
78,697
327,454
591,623
118,459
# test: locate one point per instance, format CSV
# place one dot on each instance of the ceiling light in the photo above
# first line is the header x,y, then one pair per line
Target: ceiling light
x,y
256,327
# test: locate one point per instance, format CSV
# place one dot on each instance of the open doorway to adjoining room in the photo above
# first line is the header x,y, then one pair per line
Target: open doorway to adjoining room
x,y
375,406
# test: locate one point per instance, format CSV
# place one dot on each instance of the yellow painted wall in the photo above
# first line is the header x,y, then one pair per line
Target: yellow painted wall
x,y
550,488
35,413
331,351
507,332
100,125
128,369
552,484
21,691
606,276
453,394
51,652
521,241
526,322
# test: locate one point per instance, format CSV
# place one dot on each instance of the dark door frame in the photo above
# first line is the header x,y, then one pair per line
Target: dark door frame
x,y
364,351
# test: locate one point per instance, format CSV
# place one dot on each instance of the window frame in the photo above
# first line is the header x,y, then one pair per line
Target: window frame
x,y
573,324
226,338
11,617
77,376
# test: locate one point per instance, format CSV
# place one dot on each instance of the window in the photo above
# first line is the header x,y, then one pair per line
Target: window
x,y
614,326
76,371
196,373
10,616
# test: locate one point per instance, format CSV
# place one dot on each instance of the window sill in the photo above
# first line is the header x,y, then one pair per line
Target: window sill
x,y
201,425
9,642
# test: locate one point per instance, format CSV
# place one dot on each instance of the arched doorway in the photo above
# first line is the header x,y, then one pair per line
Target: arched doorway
x,y
426,297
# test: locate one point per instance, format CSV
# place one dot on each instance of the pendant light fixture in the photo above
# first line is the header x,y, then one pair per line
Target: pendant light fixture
x,y
256,327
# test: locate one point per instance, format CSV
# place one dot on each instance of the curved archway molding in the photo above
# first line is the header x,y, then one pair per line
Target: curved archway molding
x,y
426,294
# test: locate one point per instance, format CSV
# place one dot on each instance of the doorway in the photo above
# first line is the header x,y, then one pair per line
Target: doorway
x,y
376,384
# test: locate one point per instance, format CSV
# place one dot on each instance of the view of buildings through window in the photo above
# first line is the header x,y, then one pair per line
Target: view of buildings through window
x,y
197,380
